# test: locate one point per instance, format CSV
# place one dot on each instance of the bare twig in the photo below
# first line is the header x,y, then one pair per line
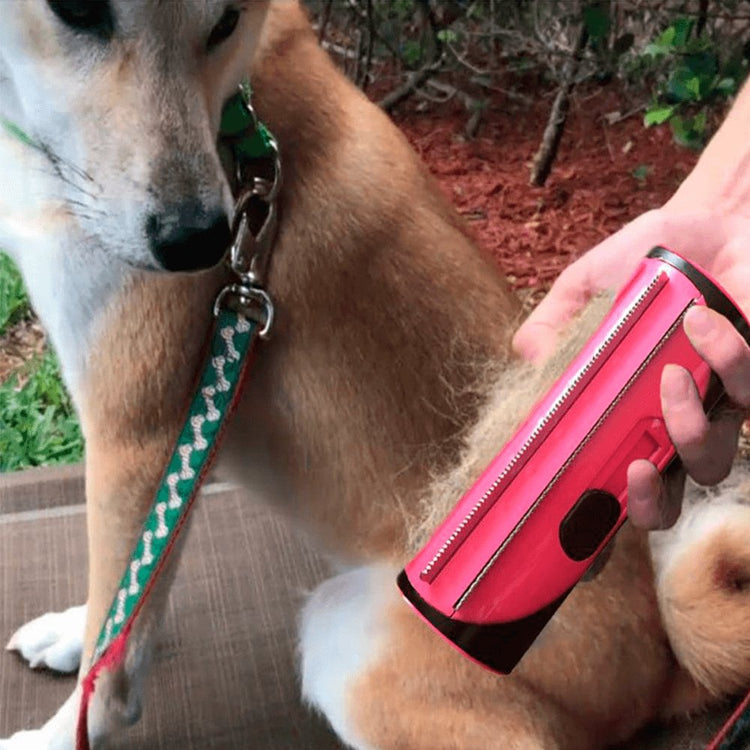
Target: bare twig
x,y
463,61
605,127
339,50
473,105
324,20
507,92
416,79
613,119
365,79
413,82
472,124
545,156
702,17
357,58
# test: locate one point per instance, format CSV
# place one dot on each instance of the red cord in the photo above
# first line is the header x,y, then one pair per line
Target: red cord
x,y
729,723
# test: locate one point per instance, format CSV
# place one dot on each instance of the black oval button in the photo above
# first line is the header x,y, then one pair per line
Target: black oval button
x,y
587,523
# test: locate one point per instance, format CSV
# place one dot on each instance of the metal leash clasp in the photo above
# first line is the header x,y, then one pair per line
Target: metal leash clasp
x,y
254,226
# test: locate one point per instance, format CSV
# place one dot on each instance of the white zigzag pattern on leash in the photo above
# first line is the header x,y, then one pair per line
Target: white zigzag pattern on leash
x,y
122,595
175,501
212,413
227,333
161,530
148,556
186,472
199,442
134,588
108,629
222,384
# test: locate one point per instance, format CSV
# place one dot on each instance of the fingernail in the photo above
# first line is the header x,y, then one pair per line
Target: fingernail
x,y
699,322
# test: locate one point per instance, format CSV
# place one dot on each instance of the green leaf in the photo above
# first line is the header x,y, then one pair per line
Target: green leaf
x,y
685,132
641,172
727,86
656,115
683,86
14,304
666,39
447,36
15,132
411,52
700,121
37,422
403,8
703,64
597,21
682,29
655,49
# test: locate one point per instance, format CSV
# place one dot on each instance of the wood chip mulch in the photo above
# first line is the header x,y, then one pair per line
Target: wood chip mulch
x,y
606,174
21,343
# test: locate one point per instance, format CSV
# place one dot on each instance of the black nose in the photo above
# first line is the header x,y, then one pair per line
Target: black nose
x,y
186,239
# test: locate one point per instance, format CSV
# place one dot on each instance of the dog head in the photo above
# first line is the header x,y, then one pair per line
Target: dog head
x,y
114,106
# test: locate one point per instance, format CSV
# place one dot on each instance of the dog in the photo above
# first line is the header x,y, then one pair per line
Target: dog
x,y
389,380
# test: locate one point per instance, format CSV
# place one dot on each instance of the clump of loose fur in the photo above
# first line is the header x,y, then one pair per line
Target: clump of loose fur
x,y
509,397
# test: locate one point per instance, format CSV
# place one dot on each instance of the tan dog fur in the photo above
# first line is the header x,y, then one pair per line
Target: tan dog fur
x,y
392,328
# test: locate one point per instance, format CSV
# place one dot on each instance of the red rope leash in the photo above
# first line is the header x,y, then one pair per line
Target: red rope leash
x,y
723,734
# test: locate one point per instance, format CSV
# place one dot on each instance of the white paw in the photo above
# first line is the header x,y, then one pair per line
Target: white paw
x,y
35,739
54,640
57,734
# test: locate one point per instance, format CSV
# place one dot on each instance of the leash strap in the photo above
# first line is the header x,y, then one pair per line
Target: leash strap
x,y
244,313
735,734
216,396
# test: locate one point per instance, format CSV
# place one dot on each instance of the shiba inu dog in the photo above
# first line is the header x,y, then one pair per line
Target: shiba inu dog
x,y
388,382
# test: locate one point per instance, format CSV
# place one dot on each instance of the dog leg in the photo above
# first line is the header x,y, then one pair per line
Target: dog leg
x,y
59,732
54,735
119,485
339,637
370,666
54,640
138,382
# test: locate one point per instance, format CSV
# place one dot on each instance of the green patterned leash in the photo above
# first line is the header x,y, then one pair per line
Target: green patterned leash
x,y
243,313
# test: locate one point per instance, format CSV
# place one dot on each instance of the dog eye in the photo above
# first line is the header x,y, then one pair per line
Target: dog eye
x,y
91,16
223,29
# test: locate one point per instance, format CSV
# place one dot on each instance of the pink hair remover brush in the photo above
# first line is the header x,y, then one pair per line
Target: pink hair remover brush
x,y
498,567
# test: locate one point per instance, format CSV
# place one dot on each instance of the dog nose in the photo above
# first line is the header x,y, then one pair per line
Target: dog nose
x,y
186,239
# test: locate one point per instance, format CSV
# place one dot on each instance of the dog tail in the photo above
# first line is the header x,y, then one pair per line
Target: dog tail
x,y
704,592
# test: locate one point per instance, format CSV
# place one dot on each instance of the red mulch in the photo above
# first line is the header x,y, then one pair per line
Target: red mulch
x,y
535,232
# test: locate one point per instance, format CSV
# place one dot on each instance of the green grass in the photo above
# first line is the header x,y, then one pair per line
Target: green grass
x,y
14,304
38,425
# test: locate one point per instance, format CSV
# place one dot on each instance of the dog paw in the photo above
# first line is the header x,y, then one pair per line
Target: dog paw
x,y
35,739
55,641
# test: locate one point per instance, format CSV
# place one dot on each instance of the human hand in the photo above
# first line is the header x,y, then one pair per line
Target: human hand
x,y
707,449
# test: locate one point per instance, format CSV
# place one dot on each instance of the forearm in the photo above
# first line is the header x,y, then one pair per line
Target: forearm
x,y
721,179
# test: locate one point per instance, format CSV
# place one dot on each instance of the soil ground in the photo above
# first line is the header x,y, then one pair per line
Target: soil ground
x,y
609,170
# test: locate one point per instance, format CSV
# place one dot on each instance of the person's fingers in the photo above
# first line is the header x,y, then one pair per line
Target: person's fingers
x,y
606,266
707,448
720,344
686,421
536,339
653,502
